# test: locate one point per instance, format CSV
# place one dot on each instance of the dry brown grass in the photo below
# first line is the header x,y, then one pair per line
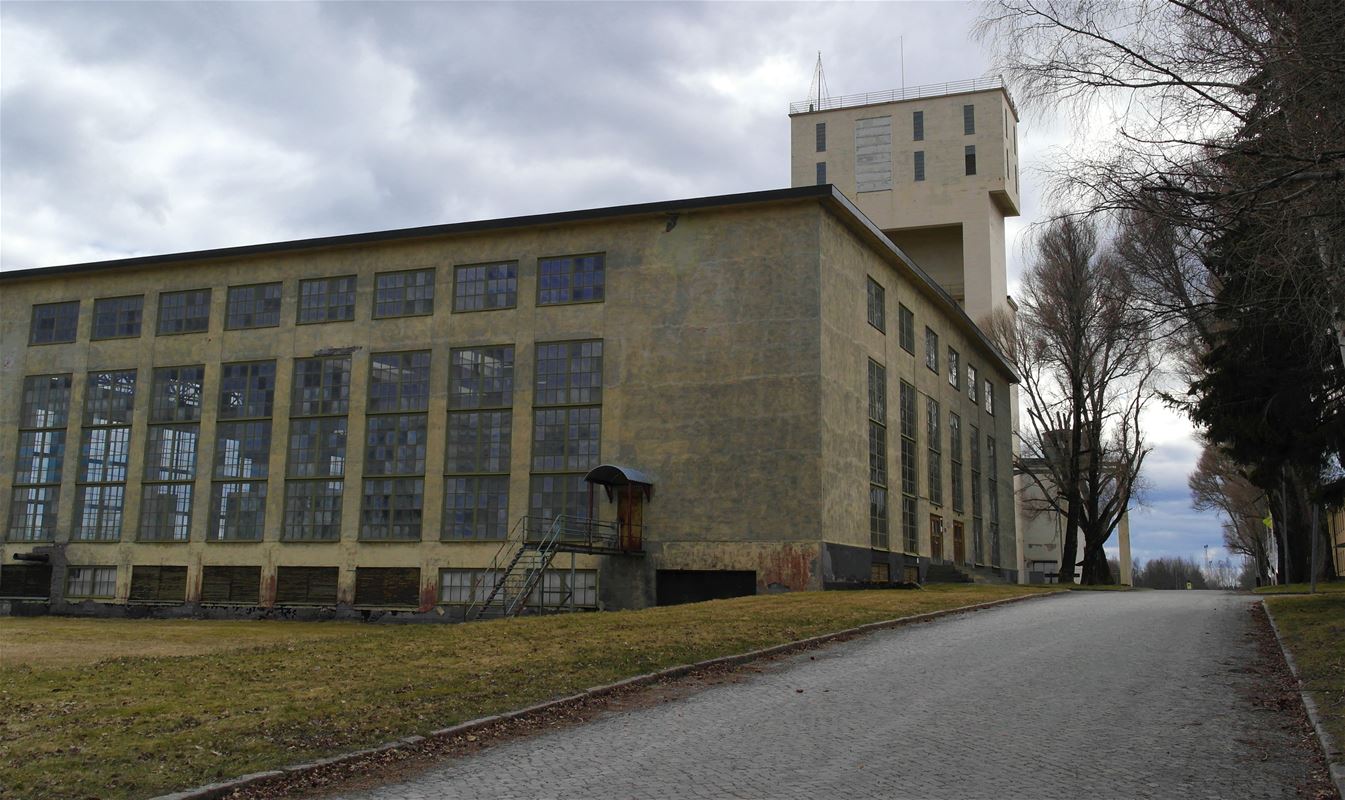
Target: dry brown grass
x,y
99,709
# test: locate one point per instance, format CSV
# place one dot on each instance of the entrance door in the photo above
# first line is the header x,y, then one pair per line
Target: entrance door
x,y
959,544
936,537
630,517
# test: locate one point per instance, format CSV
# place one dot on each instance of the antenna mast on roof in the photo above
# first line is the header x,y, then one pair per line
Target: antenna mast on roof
x,y
817,90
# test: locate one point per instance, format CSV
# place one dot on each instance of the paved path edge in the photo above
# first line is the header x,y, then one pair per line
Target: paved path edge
x,y
1335,759
213,791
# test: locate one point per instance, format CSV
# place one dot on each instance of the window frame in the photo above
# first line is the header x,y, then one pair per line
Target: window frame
x,y
327,294
969,159
232,301
159,317
876,297
931,350
569,288
434,279
56,307
118,313
512,281
820,133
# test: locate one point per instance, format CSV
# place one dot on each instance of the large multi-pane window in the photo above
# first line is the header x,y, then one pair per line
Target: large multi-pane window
x,y
977,522
931,350
184,312
934,457
909,531
571,279
93,583
955,459
992,495
878,515
327,299
480,424
477,287
396,426
104,455
54,323
408,293
118,317
171,453
316,459
906,328
242,452
256,306
44,410
567,426
876,302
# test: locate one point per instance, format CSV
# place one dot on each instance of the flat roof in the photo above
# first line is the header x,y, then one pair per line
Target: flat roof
x,y
828,195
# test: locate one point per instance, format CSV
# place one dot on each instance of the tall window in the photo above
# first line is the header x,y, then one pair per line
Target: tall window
x,y
395,445
571,279
954,369
931,350
821,137
968,119
955,458
909,531
969,156
478,287
54,322
906,328
992,494
876,303
821,172
977,523
919,164
44,410
878,516
408,293
104,455
989,397
184,312
170,456
480,425
935,453
567,426
316,462
242,452
117,317
918,126
971,384
327,300
253,306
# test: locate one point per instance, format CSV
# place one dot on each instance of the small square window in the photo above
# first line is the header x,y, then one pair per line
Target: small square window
x,y
253,306
327,300
478,287
117,317
54,323
184,312
571,279
404,294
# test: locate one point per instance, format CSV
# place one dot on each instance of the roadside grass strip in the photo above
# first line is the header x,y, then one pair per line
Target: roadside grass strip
x,y
131,709
1313,630
1334,587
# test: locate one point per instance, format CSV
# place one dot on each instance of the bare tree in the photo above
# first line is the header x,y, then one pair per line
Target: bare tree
x,y
1221,485
1086,370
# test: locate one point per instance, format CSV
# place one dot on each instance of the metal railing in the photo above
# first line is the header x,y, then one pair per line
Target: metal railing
x,y
580,533
897,95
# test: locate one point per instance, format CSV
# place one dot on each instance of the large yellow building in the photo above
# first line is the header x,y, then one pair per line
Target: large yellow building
x,y
752,392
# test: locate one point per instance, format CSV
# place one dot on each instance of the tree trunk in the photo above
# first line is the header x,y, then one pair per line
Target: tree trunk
x,y
1096,570
1071,543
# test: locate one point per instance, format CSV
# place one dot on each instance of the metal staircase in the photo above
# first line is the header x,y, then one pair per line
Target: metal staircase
x,y
524,557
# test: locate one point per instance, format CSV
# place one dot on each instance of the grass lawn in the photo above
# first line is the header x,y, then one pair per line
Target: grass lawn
x,y
1334,587
1313,628
113,709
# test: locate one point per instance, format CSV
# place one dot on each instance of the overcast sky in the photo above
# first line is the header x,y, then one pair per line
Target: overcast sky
x,y
129,129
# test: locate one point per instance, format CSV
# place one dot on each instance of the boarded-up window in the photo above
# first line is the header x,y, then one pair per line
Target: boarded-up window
x,y
158,584
231,585
873,154
25,580
387,586
306,585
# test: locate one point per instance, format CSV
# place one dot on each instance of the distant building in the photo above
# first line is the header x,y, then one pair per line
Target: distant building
x,y
722,395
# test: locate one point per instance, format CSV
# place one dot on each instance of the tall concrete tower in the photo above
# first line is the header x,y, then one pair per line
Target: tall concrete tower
x,y
935,167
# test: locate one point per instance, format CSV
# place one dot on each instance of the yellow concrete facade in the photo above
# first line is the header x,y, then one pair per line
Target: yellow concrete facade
x,y
735,351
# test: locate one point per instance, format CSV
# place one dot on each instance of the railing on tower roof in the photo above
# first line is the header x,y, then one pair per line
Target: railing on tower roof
x,y
898,95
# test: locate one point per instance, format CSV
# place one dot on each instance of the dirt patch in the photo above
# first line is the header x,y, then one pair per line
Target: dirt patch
x,y
1274,688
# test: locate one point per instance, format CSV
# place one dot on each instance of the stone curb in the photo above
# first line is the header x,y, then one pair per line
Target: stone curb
x,y
213,791
1335,759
